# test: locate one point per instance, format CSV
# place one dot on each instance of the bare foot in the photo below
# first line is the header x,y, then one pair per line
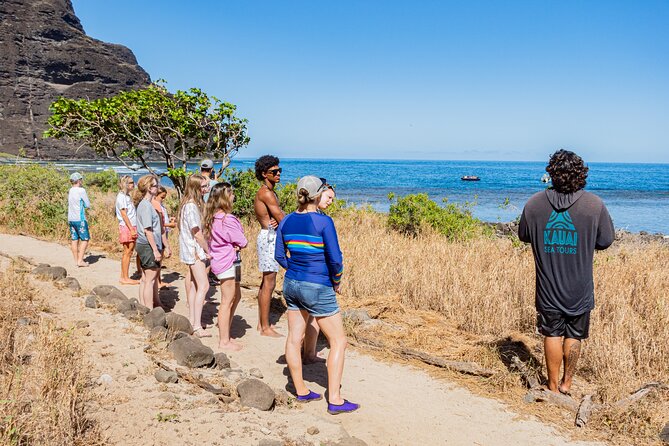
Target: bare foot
x,y
271,333
201,333
313,359
272,326
128,282
83,264
230,346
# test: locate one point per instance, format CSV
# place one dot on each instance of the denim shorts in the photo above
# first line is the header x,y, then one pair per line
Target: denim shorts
x,y
79,230
316,299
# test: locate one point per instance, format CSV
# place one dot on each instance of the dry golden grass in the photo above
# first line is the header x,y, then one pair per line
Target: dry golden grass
x,y
43,384
475,301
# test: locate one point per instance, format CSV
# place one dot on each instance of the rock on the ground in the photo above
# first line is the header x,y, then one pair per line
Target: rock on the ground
x,y
221,361
69,282
347,441
255,393
177,322
190,352
270,442
256,373
141,309
155,318
664,435
105,379
312,430
357,316
158,333
166,376
110,295
91,301
50,272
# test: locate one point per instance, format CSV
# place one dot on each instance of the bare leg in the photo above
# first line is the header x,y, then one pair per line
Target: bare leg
x,y
83,244
572,351
138,263
199,278
238,297
125,264
264,298
156,290
225,313
149,278
74,246
333,328
554,353
142,285
190,296
297,324
309,355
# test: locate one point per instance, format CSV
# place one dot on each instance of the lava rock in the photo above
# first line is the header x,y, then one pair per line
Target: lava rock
x,y
91,301
176,322
221,361
50,272
166,376
356,315
255,393
155,318
70,283
190,352
158,333
111,295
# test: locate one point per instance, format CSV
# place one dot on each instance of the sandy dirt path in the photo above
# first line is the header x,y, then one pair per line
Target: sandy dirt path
x,y
400,404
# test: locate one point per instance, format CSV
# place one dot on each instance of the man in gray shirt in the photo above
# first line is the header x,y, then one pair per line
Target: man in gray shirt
x,y
565,225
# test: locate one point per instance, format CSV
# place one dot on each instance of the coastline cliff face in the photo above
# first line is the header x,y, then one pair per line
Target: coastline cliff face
x,y
44,54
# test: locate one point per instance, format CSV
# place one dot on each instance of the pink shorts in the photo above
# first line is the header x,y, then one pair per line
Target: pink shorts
x,y
124,234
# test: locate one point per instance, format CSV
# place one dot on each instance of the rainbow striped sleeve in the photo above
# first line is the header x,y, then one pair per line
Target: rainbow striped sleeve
x,y
304,243
337,277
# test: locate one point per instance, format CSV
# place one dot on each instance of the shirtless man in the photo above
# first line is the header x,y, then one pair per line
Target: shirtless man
x,y
269,214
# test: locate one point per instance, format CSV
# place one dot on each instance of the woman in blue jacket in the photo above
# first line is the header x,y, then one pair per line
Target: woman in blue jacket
x,y
313,276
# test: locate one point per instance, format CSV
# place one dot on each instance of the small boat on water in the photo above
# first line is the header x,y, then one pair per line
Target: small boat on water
x,y
470,178
545,178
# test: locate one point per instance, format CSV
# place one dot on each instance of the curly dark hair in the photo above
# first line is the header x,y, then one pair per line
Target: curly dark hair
x,y
263,163
567,171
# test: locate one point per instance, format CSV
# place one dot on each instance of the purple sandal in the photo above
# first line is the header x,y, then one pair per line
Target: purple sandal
x,y
311,396
334,409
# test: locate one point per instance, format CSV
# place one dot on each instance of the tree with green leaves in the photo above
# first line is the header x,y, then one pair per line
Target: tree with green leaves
x,y
137,126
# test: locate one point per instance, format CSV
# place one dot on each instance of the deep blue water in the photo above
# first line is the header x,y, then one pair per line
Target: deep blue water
x,y
637,195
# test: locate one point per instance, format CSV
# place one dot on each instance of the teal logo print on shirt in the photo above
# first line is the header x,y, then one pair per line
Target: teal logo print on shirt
x,y
560,235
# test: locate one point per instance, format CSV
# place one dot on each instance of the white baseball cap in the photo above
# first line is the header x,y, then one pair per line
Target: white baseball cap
x,y
312,184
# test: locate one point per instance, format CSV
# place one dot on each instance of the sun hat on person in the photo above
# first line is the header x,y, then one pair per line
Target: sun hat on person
x,y
76,176
311,184
207,164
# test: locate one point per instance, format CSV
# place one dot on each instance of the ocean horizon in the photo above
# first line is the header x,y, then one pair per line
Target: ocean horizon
x,y
636,194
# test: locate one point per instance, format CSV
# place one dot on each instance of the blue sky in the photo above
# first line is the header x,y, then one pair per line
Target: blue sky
x,y
493,80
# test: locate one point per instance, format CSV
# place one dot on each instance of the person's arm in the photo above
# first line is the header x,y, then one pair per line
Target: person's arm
x,y
606,233
194,226
270,200
236,232
126,220
333,255
523,229
280,247
84,196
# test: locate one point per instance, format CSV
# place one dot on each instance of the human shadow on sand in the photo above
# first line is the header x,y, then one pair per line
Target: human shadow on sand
x,y
93,258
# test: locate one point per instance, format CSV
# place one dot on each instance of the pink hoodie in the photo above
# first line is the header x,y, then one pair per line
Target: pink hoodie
x,y
226,234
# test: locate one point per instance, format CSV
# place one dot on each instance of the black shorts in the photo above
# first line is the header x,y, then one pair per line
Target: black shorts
x,y
146,258
557,324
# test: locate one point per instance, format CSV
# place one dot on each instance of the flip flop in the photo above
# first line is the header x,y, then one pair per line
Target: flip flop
x,y
335,409
200,333
311,396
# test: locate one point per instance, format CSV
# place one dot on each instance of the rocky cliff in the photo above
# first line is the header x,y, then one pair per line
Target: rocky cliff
x,y
44,54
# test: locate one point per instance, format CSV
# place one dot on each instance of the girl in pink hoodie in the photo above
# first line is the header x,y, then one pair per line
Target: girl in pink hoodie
x,y
225,236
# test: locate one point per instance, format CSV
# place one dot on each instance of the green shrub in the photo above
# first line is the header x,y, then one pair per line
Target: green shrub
x,y
33,199
105,181
246,186
412,214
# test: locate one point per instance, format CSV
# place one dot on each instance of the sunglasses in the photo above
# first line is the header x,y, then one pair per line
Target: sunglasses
x,y
325,184
275,171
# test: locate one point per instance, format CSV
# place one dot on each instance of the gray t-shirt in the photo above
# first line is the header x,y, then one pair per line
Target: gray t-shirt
x,y
147,217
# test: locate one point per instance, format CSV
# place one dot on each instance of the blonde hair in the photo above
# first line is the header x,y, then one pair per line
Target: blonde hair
x,y
143,186
220,199
123,183
303,197
192,192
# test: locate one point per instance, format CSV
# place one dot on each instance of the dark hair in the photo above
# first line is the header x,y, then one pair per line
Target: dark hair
x,y
567,171
263,163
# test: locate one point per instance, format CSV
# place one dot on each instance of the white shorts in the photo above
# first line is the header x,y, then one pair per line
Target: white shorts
x,y
227,274
266,262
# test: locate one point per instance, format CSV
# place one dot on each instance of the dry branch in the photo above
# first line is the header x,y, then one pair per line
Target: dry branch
x,y
468,368
639,394
584,411
187,376
527,373
543,395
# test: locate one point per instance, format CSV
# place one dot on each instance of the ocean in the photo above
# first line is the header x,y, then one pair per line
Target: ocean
x,y
637,195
